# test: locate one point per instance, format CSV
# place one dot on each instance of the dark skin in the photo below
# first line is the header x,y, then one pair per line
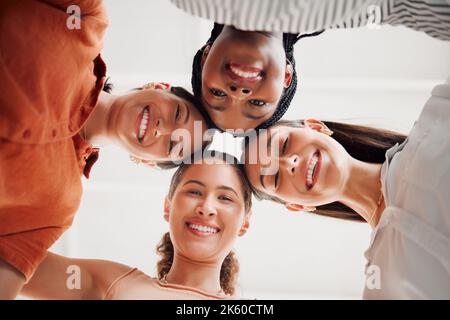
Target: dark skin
x,y
243,77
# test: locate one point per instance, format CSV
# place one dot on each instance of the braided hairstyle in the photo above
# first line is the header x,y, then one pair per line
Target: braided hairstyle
x,y
289,40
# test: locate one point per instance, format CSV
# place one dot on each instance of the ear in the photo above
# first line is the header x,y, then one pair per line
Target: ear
x,y
288,75
246,224
205,54
319,126
167,205
298,207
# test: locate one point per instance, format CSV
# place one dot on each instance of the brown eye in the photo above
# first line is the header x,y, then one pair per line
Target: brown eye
x,y
257,103
277,179
194,192
225,198
217,93
177,113
170,147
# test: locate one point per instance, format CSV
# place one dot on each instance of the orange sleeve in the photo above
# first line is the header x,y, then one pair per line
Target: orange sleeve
x,y
40,191
50,76
26,250
46,68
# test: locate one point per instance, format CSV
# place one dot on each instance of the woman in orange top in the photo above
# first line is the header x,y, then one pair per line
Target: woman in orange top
x,y
205,217
52,108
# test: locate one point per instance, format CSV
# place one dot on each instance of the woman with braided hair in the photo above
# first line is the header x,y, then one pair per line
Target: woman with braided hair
x,y
242,75
245,79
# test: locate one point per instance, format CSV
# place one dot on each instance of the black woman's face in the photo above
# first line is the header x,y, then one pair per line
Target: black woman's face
x,y
243,77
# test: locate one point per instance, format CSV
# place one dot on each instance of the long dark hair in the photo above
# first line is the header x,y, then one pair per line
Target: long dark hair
x,y
289,40
364,143
230,266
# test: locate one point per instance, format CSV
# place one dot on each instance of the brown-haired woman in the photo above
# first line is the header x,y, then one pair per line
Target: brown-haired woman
x,y
362,173
205,216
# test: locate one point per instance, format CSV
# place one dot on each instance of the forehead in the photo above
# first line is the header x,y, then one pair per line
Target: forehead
x,y
257,144
154,94
213,175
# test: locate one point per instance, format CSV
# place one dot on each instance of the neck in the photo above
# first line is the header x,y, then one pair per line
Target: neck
x,y
363,191
97,128
199,275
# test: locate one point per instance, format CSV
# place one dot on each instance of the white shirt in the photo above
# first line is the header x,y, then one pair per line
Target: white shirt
x,y
307,16
409,254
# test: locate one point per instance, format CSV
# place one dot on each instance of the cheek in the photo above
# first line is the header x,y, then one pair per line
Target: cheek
x,y
185,202
211,73
156,151
272,89
232,218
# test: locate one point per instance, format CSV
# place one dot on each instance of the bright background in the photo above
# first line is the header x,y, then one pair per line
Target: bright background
x,y
379,77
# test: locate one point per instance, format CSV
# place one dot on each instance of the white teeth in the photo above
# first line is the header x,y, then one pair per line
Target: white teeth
x,y
244,74
143,125
311,168
203,229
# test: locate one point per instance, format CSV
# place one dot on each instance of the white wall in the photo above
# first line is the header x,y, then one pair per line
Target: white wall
x,y
377,77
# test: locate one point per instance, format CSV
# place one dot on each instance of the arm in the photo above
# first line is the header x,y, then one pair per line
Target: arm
x,y
11,280
60,277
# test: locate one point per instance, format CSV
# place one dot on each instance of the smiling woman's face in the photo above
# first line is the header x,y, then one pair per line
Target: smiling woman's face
x,y
144,120
243,77
207,214
312,166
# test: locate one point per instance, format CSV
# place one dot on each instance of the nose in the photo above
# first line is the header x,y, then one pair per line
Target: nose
x,y
239,91
291,163
206,208
161,128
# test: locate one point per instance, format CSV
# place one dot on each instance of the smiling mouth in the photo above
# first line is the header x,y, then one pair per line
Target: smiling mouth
x,y
202,229
239,72
313,169
142,124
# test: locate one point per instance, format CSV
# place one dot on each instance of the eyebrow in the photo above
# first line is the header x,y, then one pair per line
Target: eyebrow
x,y
228,188
269,141
203,185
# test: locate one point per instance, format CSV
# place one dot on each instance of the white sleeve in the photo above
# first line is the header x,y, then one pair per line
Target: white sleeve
x,y
294,16
307,16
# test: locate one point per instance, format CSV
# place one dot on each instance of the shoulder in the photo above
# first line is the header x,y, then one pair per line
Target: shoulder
x,y
126,280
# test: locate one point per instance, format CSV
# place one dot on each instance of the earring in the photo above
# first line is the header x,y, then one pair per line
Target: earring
x,y
327,131
150,85
135,159
156,85
309,209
